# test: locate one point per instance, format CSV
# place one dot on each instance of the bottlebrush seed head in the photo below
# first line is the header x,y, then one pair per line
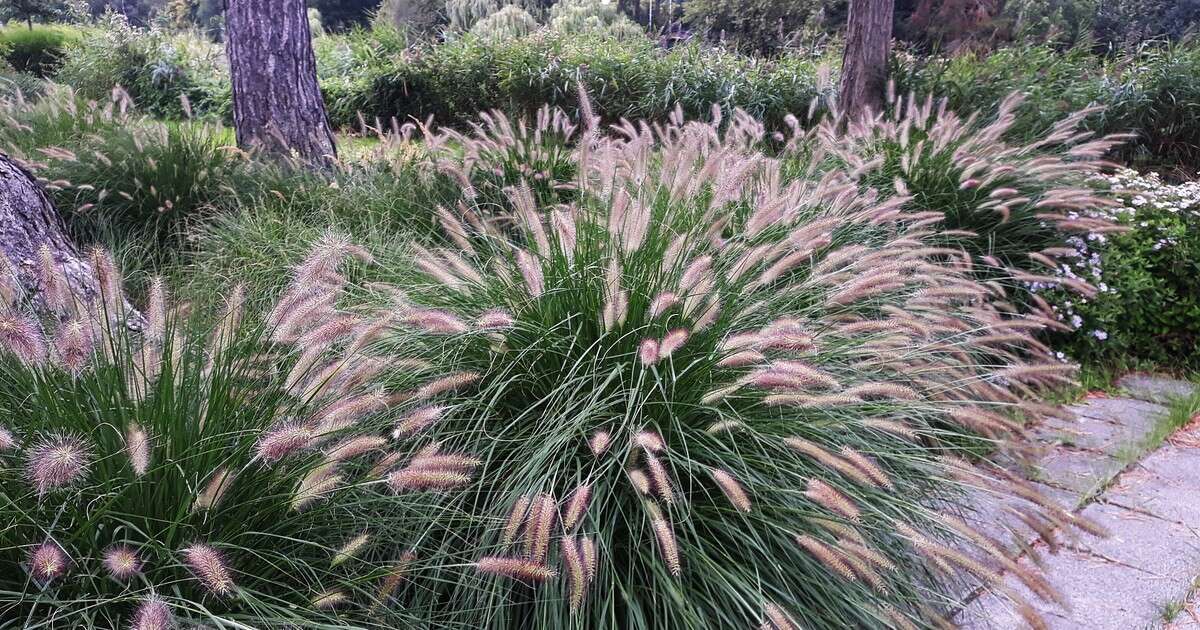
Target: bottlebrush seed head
x,y
137,444
122,562
7,439
153,614
648,352
208,566
600,442
20,336
57,461
47,562
282,441
516,568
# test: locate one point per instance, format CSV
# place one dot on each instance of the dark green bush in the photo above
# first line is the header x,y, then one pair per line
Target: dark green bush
x,y
38,50
1148,305
626,79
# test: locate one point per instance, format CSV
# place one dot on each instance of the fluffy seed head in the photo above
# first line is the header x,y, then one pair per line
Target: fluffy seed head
x,y
153,614
137,445
650,441
672,342
447,384
495,319
122,562
732,489
577,506
350,549
648,352
355,446
282,441
7,439
667,546
409,479
211,495
48,561
20,336
600,442
516,568
73,347
56,462
418,420
329,600
208,566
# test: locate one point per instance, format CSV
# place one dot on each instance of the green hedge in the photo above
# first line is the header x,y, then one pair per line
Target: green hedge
x,y
625,79
38,50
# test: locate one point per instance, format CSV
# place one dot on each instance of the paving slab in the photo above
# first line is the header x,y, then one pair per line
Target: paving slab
x,y
1166,483
1114,583
1151,558
1155,388
1118,410
1077,471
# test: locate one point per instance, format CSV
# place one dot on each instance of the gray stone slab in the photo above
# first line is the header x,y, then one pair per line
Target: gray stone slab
x,y
1087,432
1074,470
1155,388
1165,483
1115,583
1119,410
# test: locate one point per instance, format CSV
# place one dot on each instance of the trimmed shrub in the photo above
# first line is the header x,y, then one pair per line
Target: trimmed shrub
x,y
1147,308
37,51
632,79
196,473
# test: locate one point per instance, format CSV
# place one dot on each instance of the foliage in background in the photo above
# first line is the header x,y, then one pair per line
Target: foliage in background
x,y
192,473
167,74
38,50
510,22
1148,305
1151,92
764,26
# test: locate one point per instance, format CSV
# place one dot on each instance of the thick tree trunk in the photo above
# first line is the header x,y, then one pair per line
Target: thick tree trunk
x,y
277,104
864,62
29,225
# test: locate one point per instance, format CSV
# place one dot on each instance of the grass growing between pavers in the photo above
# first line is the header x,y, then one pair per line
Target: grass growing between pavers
x,y
1180,411
1175,609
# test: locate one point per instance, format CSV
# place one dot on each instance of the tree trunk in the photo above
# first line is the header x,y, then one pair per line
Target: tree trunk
x,y
28,223
864,62
277,105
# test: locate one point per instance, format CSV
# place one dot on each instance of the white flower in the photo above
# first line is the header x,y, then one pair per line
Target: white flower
x,y
1100,334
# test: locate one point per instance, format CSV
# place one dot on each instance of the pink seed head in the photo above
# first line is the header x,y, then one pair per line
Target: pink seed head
x,y
599,442
495,319
48,561
208,566
153,614
7,439
282,441
21,337
672,342
648,352
122,562
56,462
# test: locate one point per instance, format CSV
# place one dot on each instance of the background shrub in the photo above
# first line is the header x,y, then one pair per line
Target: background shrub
x,y
38,50
171,75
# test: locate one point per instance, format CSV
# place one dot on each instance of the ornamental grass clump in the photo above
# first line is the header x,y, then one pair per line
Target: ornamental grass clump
x,y
160,470
701,396
1011,206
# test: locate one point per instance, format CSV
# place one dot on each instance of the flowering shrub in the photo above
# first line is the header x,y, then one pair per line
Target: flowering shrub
x,y
698,396
215,474
1148,277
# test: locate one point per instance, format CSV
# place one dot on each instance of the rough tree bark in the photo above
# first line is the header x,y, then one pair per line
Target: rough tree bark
x,y
28,222
277,105
864,62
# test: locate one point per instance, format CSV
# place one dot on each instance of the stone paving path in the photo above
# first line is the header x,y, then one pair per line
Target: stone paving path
x,y
1113,464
